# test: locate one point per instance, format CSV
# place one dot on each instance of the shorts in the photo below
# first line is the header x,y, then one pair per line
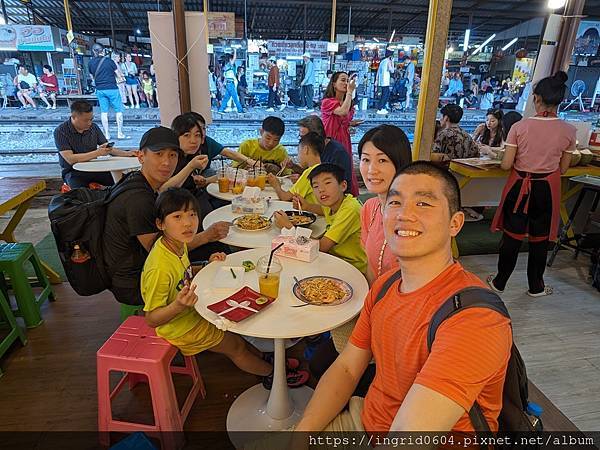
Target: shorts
x,y
131,81
108,98
203,336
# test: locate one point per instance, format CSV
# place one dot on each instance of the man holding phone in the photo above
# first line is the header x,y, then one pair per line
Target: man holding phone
x,y
79,139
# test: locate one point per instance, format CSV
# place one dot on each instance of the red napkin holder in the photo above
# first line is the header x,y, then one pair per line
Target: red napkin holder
x,y
239,314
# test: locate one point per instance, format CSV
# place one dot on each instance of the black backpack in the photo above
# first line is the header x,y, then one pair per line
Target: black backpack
x,y
513,416
77,219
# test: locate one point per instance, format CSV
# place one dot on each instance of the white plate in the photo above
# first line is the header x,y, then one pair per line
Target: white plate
x,y
224,279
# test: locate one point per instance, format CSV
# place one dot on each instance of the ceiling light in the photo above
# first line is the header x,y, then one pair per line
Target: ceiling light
x,y
486,42
392,37
467,37
510,44
375,39
556,4
138,31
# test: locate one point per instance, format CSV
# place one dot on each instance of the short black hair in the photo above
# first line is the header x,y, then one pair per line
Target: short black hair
x,y
314,124
453,112
450,185
274,125
313,141
185,122
48,67
333,169
509,119
81,107
392,141
173,200
552,89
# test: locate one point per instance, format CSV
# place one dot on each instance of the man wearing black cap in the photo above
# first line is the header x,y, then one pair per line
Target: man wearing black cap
x,y
452,141
130,227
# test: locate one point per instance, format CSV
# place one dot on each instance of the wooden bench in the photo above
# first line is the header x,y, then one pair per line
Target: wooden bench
x,y
70,98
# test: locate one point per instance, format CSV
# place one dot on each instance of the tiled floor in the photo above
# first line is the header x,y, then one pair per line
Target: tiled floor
x,y
558,336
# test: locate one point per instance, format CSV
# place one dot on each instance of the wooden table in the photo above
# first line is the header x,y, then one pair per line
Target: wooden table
x,y
17,194
483,187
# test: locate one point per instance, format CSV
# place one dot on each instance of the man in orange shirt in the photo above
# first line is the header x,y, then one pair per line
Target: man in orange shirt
x,y
273,82
414,389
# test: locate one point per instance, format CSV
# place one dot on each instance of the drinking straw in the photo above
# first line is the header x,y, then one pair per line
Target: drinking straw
x,y
222,164
271,256
235,177
232,273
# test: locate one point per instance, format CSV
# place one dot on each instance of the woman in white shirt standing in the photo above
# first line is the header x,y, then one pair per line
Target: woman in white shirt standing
x,y
129,69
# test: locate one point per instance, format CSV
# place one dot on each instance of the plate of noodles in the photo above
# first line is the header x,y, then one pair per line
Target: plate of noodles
x,y
321,290
252,222
301,219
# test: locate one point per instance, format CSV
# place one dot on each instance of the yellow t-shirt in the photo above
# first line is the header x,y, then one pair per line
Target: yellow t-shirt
x,y
252,149
303,188
343,227
163,277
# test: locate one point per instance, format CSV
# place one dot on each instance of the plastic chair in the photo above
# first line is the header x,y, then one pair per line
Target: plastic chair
x,y
13,257
15,331
130,310
144,357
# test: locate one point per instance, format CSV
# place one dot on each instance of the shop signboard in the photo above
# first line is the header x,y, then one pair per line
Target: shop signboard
x,y
523,70
283,48
26,38
588,38
221,25
82,41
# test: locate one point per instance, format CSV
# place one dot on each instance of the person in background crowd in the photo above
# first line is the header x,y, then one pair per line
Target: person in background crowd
x,y
421,215
212,86
452,141
148,88
307,84
486,83
538,151
470,100
456,88
130,227
409,75
507,84
490,135
120,78
475,87
509,119
487,99
26,84
337,113
230,83
273,84
383,81
105,72
334,152
50,87
130,71
79,139
445,83
242,87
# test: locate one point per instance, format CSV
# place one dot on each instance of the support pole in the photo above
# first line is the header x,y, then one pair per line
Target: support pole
x,y
245,19
112,27
568,33
205,11
333,10
73,56
349,18
435,47
180,52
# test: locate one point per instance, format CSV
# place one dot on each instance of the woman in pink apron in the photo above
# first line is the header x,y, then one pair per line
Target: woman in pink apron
x,y
337,113
538,151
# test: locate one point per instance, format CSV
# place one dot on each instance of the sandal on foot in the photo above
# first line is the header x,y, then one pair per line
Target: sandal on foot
x,y
547,291
290,363
295,378
490,282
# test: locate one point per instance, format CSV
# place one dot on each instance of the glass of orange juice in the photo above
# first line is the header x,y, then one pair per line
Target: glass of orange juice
x,y
223,180
252,180
237,181
268,281
261,179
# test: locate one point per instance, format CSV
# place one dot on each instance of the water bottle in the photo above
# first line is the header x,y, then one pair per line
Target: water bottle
x,y
79,255
534,411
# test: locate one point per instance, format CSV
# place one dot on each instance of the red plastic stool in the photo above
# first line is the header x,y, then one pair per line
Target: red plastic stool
x,y
136,350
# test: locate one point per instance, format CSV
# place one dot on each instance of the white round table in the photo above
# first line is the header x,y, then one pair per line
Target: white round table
x,y
116,165
213,189
256,239
258,409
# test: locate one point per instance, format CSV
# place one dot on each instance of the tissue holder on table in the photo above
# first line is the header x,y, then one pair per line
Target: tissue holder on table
x,y
292,249
245,205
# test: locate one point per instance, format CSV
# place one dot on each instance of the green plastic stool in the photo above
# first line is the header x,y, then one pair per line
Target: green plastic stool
x,y
15,331
13,257
130,310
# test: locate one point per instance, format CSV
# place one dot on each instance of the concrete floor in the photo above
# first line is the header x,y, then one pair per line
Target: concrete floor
x,y
558,336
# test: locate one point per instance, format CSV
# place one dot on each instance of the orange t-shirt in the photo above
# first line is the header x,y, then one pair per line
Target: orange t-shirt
x,y
468,358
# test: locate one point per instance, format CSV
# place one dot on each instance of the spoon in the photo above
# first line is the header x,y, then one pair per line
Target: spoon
x,y
234,305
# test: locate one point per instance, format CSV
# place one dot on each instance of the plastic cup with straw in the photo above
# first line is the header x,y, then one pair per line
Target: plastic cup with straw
x,y
269,269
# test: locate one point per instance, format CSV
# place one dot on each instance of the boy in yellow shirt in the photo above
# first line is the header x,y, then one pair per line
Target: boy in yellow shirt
x,y
309,156
266,148
342,214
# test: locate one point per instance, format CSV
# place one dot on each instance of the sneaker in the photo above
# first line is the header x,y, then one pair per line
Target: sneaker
x,y
295,378
54,107
126,106
269,110
281,107
382,111
490,281
547,291
48,107
137,106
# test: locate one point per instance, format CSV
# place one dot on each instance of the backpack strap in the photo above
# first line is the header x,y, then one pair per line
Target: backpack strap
x,y
124,184
471,297
387,285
